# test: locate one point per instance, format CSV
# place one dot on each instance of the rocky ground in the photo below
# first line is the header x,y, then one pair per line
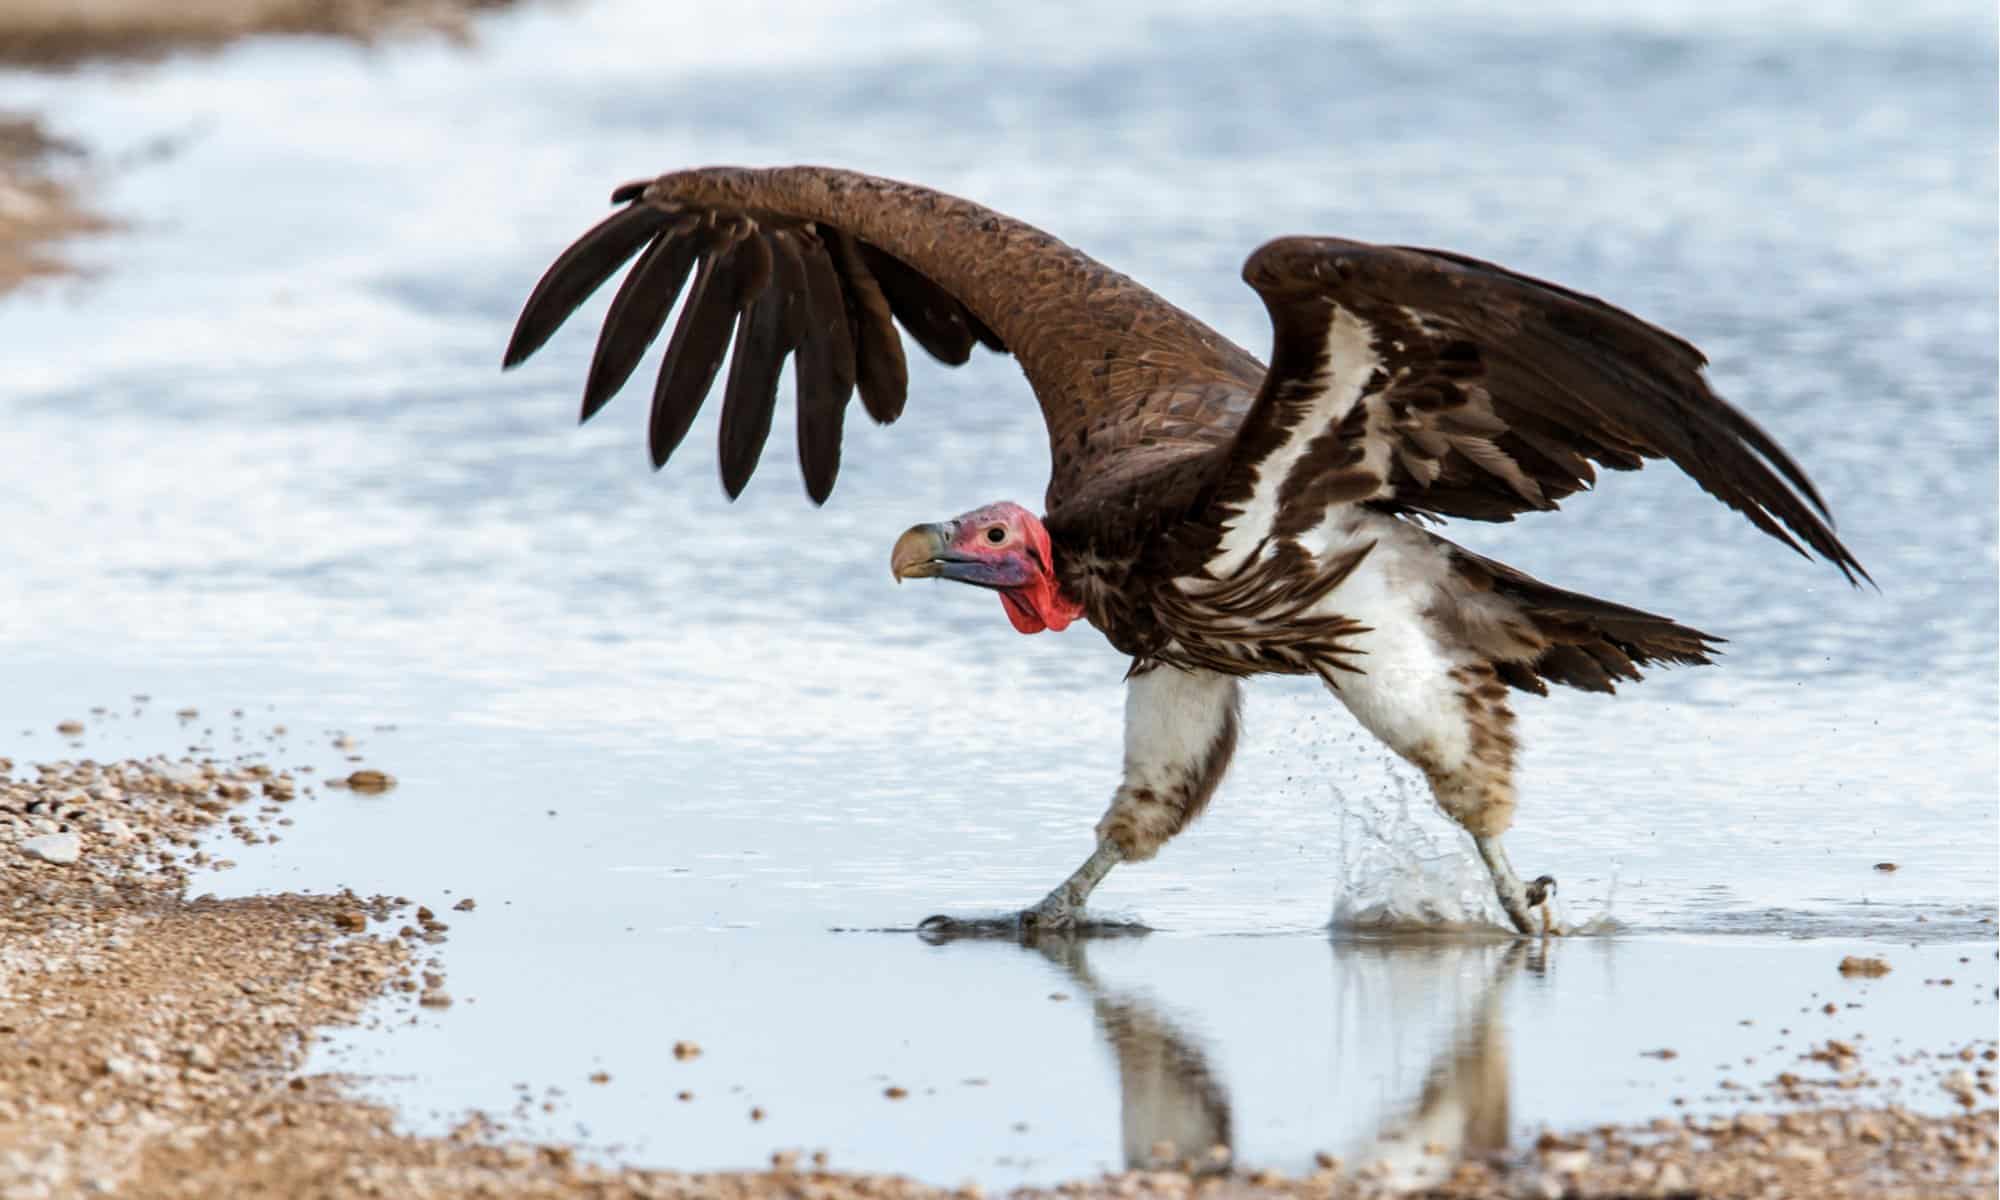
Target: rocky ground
x,y
156,1042
38,200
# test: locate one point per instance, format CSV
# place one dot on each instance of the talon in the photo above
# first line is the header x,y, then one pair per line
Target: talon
x,y
1540,890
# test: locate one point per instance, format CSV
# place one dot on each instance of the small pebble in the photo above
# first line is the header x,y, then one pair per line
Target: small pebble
x,y
370,780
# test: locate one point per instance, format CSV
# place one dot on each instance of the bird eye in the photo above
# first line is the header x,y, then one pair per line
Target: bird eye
x,y
996,535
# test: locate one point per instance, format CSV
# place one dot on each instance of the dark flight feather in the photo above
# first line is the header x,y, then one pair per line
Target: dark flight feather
x,y
880,371
930,314
766,334
576,273
825,371
638,312
694,355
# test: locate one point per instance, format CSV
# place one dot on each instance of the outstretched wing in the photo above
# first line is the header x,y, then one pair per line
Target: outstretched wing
x,y
821,266
1427,382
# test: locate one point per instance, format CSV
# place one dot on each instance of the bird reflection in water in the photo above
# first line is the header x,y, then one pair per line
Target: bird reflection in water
x,y
1462,1110
1172,1109
1176,1112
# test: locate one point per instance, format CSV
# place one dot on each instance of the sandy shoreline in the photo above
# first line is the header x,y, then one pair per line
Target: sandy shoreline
x,y
156,1039
44,180
60,33
158,1043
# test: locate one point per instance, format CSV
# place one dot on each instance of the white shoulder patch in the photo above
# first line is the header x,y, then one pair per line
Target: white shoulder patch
x,y
1347,364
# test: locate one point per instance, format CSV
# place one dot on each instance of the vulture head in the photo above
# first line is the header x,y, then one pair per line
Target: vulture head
x,y
1001,546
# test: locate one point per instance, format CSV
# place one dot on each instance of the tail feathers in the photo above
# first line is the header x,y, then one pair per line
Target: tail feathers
x,y
1591,644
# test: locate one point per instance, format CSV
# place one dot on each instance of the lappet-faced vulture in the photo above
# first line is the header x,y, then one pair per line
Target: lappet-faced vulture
x,y
1212,517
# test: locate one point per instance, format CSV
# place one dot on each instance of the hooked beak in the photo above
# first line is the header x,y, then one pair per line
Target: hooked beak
x,y
921,552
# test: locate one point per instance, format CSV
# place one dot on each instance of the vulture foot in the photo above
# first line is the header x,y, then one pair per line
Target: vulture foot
x,y
1060,911
1519,899
1026,927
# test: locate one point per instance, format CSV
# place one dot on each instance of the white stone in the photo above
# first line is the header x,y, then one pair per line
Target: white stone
x,y
59,848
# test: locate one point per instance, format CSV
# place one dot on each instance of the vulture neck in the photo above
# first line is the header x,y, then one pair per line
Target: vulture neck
x,y
1040,605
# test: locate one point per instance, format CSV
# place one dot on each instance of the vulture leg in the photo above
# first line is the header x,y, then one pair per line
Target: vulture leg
x,y
1443,707
1180,732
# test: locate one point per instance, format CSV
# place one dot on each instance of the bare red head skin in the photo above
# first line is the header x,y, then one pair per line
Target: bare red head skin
x,y
1001,546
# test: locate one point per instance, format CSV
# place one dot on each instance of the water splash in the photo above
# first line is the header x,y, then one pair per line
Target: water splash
x,y
1401,867
1405,867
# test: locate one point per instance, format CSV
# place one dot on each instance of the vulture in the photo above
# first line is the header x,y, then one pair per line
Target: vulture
x,y
1213,517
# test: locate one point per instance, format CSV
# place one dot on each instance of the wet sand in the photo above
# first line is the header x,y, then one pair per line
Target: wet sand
x,y
159,1041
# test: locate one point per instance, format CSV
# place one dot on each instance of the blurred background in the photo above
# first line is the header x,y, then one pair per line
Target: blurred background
x,y
259,457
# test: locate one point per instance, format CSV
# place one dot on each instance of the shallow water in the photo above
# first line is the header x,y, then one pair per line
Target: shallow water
x,y
265,460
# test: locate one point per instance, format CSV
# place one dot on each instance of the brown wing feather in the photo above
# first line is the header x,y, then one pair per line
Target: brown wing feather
x,y
577,272
825,372
880,371
638,312
937,320
1128,384
694,355
1487,394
